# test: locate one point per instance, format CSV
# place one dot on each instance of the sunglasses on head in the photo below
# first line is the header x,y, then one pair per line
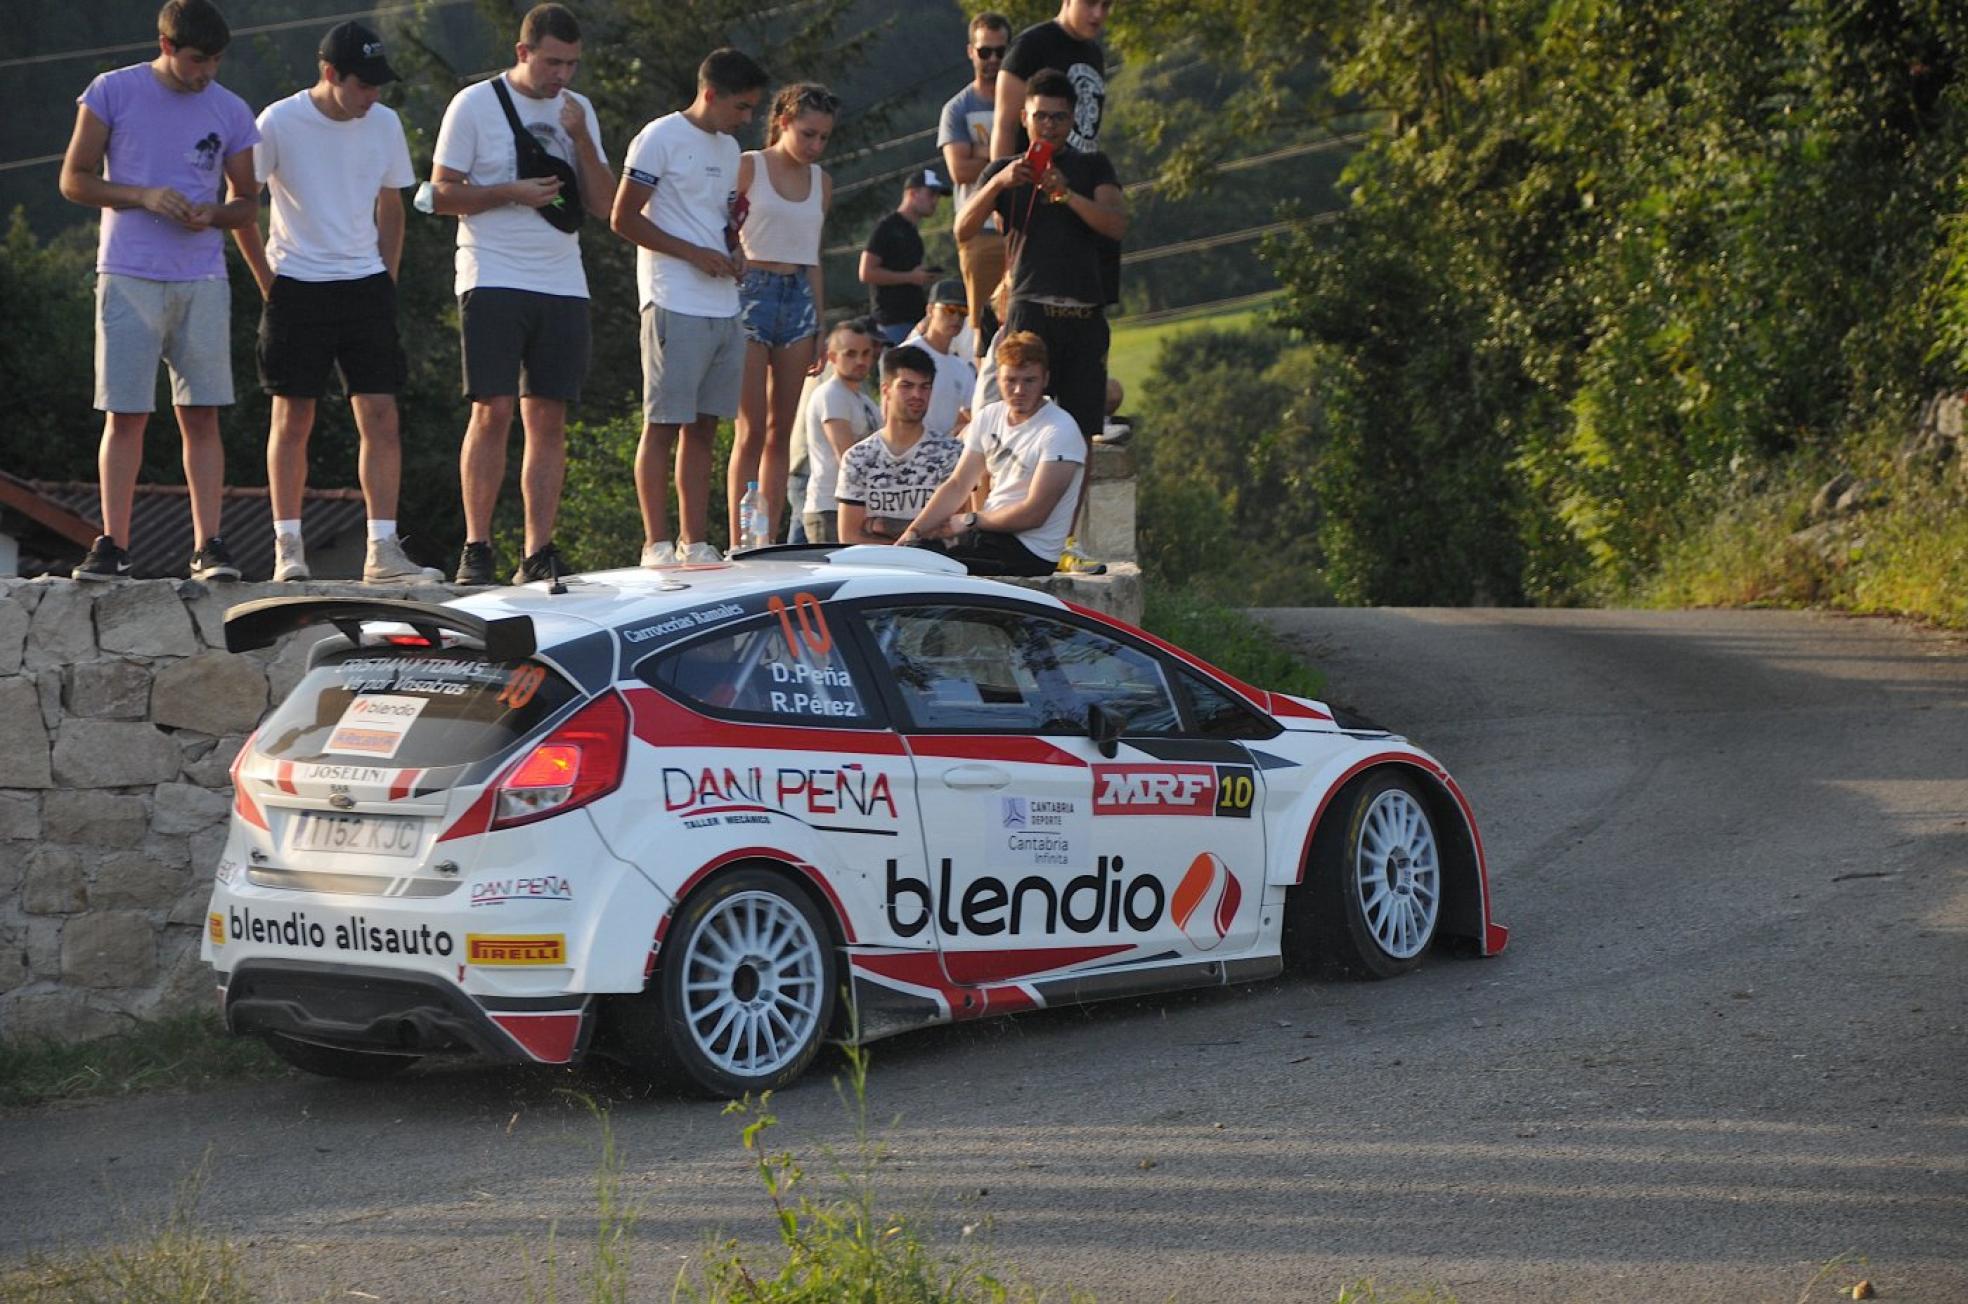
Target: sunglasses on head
x,y
821,100
989,51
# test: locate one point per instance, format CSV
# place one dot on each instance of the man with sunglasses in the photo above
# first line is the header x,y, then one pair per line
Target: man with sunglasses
x,y
965,139
956,375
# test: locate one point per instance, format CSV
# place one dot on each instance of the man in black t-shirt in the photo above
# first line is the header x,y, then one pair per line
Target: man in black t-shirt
x,y
891,261
1056,227
1070,44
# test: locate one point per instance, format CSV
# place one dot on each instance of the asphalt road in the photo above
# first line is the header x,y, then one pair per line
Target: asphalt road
x,y
1726,1043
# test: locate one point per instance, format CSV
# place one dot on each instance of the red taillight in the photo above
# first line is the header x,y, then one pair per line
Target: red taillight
x,y
243,804
581,760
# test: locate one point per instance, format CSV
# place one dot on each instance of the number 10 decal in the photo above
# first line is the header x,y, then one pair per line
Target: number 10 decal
x,y
813,631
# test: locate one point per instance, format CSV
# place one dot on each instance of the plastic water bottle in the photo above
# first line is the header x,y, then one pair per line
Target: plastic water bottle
x,y
756,529
426,199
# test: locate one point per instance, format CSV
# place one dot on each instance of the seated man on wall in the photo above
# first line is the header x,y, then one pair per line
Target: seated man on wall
x,y
888,477
1036,458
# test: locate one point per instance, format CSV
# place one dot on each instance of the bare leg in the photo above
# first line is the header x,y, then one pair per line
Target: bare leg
x,y
482,464
749,432
652,472
693,479
204,465
545,468
788,378
117,461
380,461
287,446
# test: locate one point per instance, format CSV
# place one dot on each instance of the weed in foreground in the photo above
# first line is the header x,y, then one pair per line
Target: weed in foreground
x,y
179,1053
607,1279
177,1263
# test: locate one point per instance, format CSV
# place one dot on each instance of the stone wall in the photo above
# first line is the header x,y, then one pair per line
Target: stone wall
x,y
120,715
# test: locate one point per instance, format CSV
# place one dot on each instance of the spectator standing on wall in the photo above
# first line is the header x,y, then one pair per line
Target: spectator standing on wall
x,y
838,416
949,404
887,478
1069,44
964,136
892,263
782,295
678,204
1058,225
152,143
336,162
522,292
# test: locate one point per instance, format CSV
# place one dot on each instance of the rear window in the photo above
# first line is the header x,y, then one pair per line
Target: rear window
x,y
413,708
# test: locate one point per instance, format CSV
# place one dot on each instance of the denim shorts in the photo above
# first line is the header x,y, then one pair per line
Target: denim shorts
x,y
777,308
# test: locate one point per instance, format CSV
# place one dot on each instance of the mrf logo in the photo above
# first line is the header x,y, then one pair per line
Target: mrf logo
x,y
1174,789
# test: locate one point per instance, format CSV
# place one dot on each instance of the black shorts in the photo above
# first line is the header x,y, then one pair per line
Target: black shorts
x,y
1076,342
987,552
309,328
523,342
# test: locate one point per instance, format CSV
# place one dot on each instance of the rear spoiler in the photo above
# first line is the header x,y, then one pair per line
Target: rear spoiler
x,y
258,624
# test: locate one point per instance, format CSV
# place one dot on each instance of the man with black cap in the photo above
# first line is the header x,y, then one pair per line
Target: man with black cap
x,y
949,402
336,162
891,263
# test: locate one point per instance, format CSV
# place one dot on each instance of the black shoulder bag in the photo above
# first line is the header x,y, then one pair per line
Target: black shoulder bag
x,y
565,212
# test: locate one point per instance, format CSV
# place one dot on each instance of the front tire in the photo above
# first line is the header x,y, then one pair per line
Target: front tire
x,y
1372,896
335,1062
745,989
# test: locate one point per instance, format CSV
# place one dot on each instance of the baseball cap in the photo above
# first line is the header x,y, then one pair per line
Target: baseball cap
x,y
352,48
949,290
927,179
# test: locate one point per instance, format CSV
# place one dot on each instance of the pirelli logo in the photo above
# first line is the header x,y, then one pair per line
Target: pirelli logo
x,y
501,949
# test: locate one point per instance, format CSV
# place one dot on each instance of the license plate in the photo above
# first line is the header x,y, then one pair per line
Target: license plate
x,y
369,835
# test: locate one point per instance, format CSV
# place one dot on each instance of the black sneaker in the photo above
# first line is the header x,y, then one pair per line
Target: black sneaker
x,y
475,565
546,564
105,561
213,561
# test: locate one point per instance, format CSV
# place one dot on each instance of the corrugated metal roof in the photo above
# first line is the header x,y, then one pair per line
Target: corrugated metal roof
x,y
161,525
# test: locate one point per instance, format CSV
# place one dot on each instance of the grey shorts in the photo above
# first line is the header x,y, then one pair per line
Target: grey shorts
x,y
186,324
691,366
822,527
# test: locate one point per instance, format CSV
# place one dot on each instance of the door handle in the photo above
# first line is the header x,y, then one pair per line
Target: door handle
x,y
975,776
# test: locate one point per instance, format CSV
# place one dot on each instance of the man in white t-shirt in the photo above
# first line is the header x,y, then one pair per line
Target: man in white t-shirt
x,y
522,294
888,477
337,162
1035,456
949,406
678,204
838,416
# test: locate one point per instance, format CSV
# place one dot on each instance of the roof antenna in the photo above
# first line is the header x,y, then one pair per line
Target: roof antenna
x,y
553,574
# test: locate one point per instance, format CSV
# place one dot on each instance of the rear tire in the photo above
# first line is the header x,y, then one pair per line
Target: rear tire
x,y
1372,897
744,990
335,1062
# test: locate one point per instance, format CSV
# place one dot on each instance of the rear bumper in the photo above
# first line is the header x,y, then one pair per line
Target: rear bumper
x,y
401,1012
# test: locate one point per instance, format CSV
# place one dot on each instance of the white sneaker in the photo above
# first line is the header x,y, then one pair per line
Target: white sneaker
x,y
290,558
698,554
655,556
386,564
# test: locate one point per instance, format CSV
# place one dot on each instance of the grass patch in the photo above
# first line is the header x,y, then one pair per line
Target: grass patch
x,y
1230,640
1132,350
179,1053
176,1263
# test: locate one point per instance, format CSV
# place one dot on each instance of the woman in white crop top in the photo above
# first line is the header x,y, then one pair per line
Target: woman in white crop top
x,y
787,195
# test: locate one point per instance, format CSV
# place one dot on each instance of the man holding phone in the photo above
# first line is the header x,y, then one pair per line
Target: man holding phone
x,y
891,263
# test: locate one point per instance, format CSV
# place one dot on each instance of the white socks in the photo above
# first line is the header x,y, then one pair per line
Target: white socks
x,y
381,529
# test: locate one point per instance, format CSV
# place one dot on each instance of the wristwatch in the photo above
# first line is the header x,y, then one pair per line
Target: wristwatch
x,y
970,524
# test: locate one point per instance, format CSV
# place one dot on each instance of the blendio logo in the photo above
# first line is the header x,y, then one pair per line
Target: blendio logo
x,y
1085,904
356,935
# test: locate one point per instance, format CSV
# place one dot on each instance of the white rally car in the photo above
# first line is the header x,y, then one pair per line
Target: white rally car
x,y
704,819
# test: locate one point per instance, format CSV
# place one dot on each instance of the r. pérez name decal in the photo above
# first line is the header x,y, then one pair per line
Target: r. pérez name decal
x,y
491,949
848,790
356,936
1174,789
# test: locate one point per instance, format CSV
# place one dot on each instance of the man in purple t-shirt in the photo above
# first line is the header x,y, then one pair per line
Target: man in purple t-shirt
x,y
152,144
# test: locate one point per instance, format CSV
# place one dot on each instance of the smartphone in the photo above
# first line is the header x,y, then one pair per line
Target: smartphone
x,y
1039,157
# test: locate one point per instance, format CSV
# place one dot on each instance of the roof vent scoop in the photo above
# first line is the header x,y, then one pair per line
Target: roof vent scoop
x,y
923,560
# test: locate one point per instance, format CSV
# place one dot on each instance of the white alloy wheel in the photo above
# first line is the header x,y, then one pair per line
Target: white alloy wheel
x,y
1397,874
754,992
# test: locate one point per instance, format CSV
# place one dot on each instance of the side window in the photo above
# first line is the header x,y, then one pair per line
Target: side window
x,y
993,668
784,667
1218,714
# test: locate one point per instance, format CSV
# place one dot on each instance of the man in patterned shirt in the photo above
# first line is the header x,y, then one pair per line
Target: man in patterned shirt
x,y
887,478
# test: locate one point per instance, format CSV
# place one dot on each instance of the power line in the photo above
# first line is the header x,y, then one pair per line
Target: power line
x,y
1270,156
1160,315
289,25
1230,237
30,162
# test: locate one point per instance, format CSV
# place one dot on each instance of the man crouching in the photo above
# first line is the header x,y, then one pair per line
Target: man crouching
x,y
1035,456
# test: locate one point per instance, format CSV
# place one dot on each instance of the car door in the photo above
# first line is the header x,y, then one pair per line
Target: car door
x,y
1029,879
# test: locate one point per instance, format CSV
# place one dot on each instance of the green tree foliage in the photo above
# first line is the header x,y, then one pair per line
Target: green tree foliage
x,y
46,288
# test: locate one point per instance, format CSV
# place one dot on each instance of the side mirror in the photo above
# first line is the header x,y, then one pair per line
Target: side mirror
x,y
1104,727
